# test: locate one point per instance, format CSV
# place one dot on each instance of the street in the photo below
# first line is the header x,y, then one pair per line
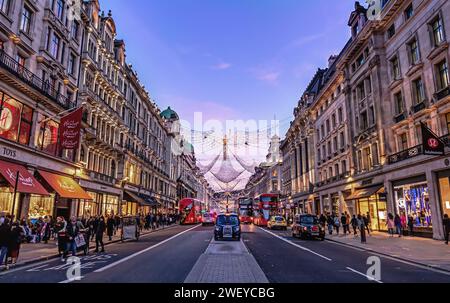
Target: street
x,y
173,255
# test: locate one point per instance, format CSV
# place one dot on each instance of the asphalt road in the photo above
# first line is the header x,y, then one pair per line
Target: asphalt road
x,y
168,256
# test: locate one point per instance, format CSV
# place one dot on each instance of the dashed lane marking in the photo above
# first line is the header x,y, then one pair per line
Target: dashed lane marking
x,y
295,244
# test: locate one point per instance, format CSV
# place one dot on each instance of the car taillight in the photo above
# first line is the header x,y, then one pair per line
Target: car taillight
x,y
305,228
315,228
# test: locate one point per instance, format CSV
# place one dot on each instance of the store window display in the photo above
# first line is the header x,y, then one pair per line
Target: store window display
x,y
413,201
15,120
444,192
41,206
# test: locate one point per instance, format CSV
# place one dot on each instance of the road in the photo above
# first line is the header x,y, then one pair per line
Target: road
x,y
168,256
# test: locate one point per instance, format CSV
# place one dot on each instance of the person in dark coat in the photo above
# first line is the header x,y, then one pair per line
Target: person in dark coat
x,y
344,224
61,234
354,223
446,224
46,230
94,226
411,225
73,230
15,240
5,234
362,228
101,227
111,223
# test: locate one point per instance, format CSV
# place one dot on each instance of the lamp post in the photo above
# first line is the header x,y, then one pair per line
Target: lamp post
x,y
14,197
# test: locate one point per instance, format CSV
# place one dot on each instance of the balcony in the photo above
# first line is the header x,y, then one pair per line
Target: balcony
x,y
399,118
44,87
419,107
406,154
442,93
102,178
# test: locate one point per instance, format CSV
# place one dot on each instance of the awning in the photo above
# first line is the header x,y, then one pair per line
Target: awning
x,y
27,184
364,193
66,187
143,200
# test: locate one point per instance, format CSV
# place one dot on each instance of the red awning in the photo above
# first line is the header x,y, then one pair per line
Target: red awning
x,y
66,187
27,184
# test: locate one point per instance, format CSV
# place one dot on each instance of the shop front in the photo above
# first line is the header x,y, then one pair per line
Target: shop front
x,y
67,193
411,198
444,191
17,185
104,200
370,201
134,204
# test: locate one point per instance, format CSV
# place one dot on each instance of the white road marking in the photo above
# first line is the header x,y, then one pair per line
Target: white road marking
x,y
295,244
143,251
374,253
70,280
364,275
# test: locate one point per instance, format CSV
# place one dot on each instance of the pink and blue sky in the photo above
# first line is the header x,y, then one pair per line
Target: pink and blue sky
x,y
230,59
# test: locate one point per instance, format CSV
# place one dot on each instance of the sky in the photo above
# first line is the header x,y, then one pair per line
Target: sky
x,y
230,59
237,60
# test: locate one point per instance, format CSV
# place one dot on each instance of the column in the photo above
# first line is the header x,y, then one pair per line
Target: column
x,y
435,204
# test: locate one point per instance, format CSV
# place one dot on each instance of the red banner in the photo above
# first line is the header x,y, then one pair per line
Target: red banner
x,y
69,130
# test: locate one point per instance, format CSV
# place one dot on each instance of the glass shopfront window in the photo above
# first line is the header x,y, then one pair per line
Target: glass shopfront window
x,y
413,200
88,207
15,120
6,201
41,206
444,191
110,205
129,209
47,136
376,209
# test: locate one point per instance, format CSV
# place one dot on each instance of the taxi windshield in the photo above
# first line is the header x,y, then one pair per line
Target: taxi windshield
x,y
227,220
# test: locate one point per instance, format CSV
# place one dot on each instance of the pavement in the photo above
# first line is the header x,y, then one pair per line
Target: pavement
x,y
35,252
188,254
424,251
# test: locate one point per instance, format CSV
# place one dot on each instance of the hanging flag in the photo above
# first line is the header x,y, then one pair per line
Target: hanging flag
x,y
432,144
69,130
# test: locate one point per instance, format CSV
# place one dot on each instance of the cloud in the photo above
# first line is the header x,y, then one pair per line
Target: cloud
x,y
269,77
221,66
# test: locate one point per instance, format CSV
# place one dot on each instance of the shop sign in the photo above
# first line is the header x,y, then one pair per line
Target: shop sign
x,y
70,128
9,153
432,144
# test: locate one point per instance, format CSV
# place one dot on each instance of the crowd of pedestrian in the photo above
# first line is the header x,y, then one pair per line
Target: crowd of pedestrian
x,y
154,221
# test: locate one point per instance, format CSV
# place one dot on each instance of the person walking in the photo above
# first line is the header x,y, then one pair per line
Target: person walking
x,y
411,226
110,224
73,230
330,223
344,223
5,234
46,230
337,224
354,223
15,240
398,225
390,224
362,229
101,227
61,235
368,222
446,224
322,220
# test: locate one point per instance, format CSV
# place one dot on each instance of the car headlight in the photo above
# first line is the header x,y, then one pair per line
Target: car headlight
x,y
237,228
217,228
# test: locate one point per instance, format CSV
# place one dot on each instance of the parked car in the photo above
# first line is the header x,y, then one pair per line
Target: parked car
x,y
277,222
227,227
207,219
307,226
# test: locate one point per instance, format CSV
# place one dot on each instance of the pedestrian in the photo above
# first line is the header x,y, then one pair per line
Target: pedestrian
x,y
398,225
411,221
15,240
344,223
354,223
5,234
390,224
347,222
94,227
337,224
323,220
330,223
110,227
73,230
61,234
101,227
46,230
362,229
116,224
368,222
404,221
446,224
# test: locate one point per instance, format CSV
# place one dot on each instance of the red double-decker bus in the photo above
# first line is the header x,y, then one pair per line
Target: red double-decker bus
x,y
190,211
265,206
245,210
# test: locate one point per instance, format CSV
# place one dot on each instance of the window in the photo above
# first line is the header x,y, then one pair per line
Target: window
x,y
398,102
414,52
395,68
409,12
364,121
15,120
47,136
344,166
60,9
437,31
21,60
71,64
75,29
367,158
342,139
333,120
328,126
375,157
360,162
336,169
418,91
25,23
4,6
447,117
335,144
371,115
361,91
403,142
442,75
340,116
54,47
391,31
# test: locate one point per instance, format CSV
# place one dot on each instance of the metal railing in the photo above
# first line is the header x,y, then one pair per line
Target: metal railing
x,y
44,87
406,154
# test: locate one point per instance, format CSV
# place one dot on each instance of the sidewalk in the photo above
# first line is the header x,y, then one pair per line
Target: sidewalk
x,y
31,253
427,252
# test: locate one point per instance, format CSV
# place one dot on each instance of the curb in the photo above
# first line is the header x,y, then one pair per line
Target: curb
x,y
50,257
390,256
